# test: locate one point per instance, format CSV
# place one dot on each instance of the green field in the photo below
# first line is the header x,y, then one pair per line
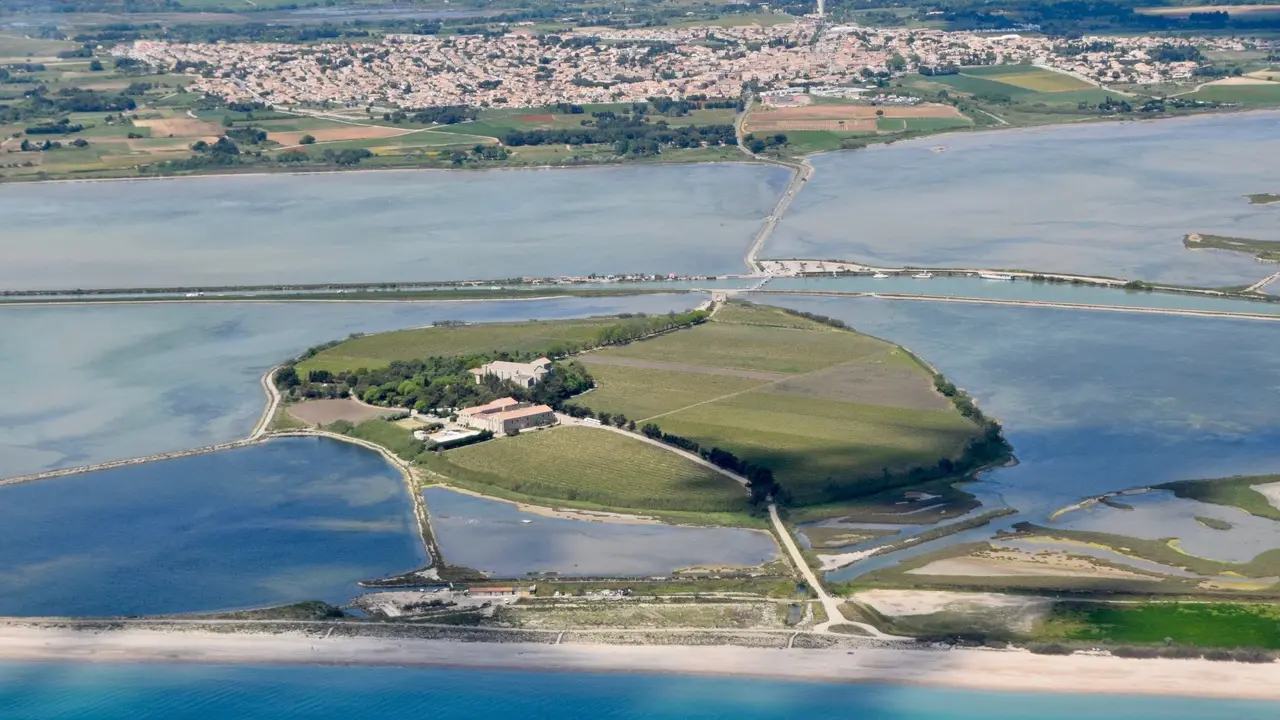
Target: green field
x,y
829,411
812,444
1246,95
1210,625
1265,250
375,351
1234,492
641,393
593,465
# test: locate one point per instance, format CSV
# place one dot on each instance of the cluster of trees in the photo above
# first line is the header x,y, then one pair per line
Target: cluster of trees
x,y
28,146
248,135
480,154
438,115
436,382
629,133
767,142
61,126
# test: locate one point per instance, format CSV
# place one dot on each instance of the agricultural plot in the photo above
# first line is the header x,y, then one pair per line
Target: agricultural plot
x,y
639,392
1265,94
593,465
813,446
846,117
844,409
375,351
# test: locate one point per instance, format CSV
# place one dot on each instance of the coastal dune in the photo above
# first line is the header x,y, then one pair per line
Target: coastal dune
x,y
1003,670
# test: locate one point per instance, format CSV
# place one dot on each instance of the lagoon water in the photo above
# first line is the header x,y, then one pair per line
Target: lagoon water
x,y
973,287
289,520
57,691
499,539
1159,514
1111,199
384,226
1101,401
107,382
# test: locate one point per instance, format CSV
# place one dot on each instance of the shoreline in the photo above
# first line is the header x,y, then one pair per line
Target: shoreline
x,y
973,669
746,160
353,171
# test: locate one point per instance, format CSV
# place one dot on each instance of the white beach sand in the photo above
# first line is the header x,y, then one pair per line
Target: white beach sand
x,y
975,669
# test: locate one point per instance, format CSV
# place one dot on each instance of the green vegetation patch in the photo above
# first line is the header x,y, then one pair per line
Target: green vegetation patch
x,y
1166,552
534,336
1234,492
1246,95
1266,250
835,414
597,466
644,392
381,432
1227,625
754,347
1263,198
814,446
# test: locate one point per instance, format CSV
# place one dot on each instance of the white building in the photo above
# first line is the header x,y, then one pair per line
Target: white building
x,y
522,374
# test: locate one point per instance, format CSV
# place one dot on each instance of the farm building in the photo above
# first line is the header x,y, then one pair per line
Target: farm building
x,y
523,374
506,415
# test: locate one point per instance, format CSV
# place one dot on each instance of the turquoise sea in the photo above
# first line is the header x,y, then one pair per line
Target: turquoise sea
x,y
49,691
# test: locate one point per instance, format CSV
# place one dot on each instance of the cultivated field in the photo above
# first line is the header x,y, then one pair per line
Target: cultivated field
x,y
639,392
844,117
374,351
843,409
593,465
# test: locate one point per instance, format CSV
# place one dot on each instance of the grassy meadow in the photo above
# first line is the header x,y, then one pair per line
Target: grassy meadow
x,y
593,465
1209,625
1234,492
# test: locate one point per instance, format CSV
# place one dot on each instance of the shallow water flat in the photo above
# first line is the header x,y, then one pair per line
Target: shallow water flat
x,y
493,537
972,287
107,382
290,520
383,226
45,691
1112,199
1158,514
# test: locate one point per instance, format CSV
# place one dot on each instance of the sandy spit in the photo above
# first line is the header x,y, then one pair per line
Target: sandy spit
x,y
973,669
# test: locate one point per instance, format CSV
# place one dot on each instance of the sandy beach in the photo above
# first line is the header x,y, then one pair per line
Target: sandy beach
x,y
999,670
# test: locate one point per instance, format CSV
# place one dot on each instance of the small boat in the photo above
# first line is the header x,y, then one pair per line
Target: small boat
x,y
995,276
923,275
880,275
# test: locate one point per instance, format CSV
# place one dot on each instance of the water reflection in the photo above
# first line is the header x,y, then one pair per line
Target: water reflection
x,y
1111,199
281,522
500,539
